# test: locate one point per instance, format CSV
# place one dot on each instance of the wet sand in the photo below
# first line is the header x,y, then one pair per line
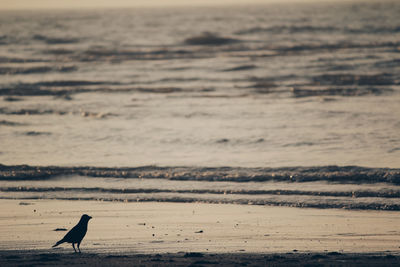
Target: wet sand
x,y
40,258
201,234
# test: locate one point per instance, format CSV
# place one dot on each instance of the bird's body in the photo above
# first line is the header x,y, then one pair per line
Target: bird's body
x,y
76,234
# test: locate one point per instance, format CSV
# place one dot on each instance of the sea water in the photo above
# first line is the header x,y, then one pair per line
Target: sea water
x,y
246,87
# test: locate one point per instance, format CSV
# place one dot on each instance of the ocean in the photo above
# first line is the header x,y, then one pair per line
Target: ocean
x,y
280,104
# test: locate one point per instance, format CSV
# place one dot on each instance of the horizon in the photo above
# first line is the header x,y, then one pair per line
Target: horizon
x,y
92,4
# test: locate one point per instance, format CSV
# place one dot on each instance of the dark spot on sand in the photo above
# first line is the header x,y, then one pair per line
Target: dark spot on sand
x,y
161,90
34,133
240,68
25,203
55,40
12,99
60,229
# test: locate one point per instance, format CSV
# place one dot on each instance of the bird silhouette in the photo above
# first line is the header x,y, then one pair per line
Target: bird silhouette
x,y
76,234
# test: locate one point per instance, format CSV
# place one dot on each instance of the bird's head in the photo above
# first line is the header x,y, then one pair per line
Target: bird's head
x,y
85,217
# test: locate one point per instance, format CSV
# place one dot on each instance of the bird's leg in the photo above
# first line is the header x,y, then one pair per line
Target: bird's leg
x,y
73,245
78,247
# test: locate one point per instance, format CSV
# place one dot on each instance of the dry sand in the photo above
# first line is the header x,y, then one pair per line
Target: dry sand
x,y
187,233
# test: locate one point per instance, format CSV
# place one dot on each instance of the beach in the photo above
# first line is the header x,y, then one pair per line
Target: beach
x,y
243,135
154,233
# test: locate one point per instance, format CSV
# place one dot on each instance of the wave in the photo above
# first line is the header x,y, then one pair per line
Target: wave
x,y
208,46
67,88
119,55
27,111
324,187
55,40
209,38
373,30
4,59
346,85
279,192
272,202
294,29
33,70
211,45
60,51
24,112
12,99
393,63
356,91
284,29
53,88
241,68
10,123
333,46
292,200
354,79
345,174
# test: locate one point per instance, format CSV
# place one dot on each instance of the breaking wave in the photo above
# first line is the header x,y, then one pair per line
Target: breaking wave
x,y
312,187
347,174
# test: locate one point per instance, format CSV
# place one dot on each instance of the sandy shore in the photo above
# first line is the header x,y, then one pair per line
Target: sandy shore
x,y
133,233
40,258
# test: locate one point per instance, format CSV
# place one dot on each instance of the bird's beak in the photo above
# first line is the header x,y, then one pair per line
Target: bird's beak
x,y
90,217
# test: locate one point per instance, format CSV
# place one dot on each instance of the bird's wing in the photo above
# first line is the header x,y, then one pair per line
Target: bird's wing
x,y
70,236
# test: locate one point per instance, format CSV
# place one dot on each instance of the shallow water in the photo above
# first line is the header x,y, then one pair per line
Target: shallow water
x,y
315,187
250,88
277,85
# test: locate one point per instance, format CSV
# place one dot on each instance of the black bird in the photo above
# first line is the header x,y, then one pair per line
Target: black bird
x,y
76,234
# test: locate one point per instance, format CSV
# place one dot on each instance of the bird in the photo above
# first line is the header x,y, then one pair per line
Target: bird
x,y
76,234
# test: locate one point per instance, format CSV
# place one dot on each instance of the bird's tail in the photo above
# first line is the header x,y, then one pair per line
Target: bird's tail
x,y
58,243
